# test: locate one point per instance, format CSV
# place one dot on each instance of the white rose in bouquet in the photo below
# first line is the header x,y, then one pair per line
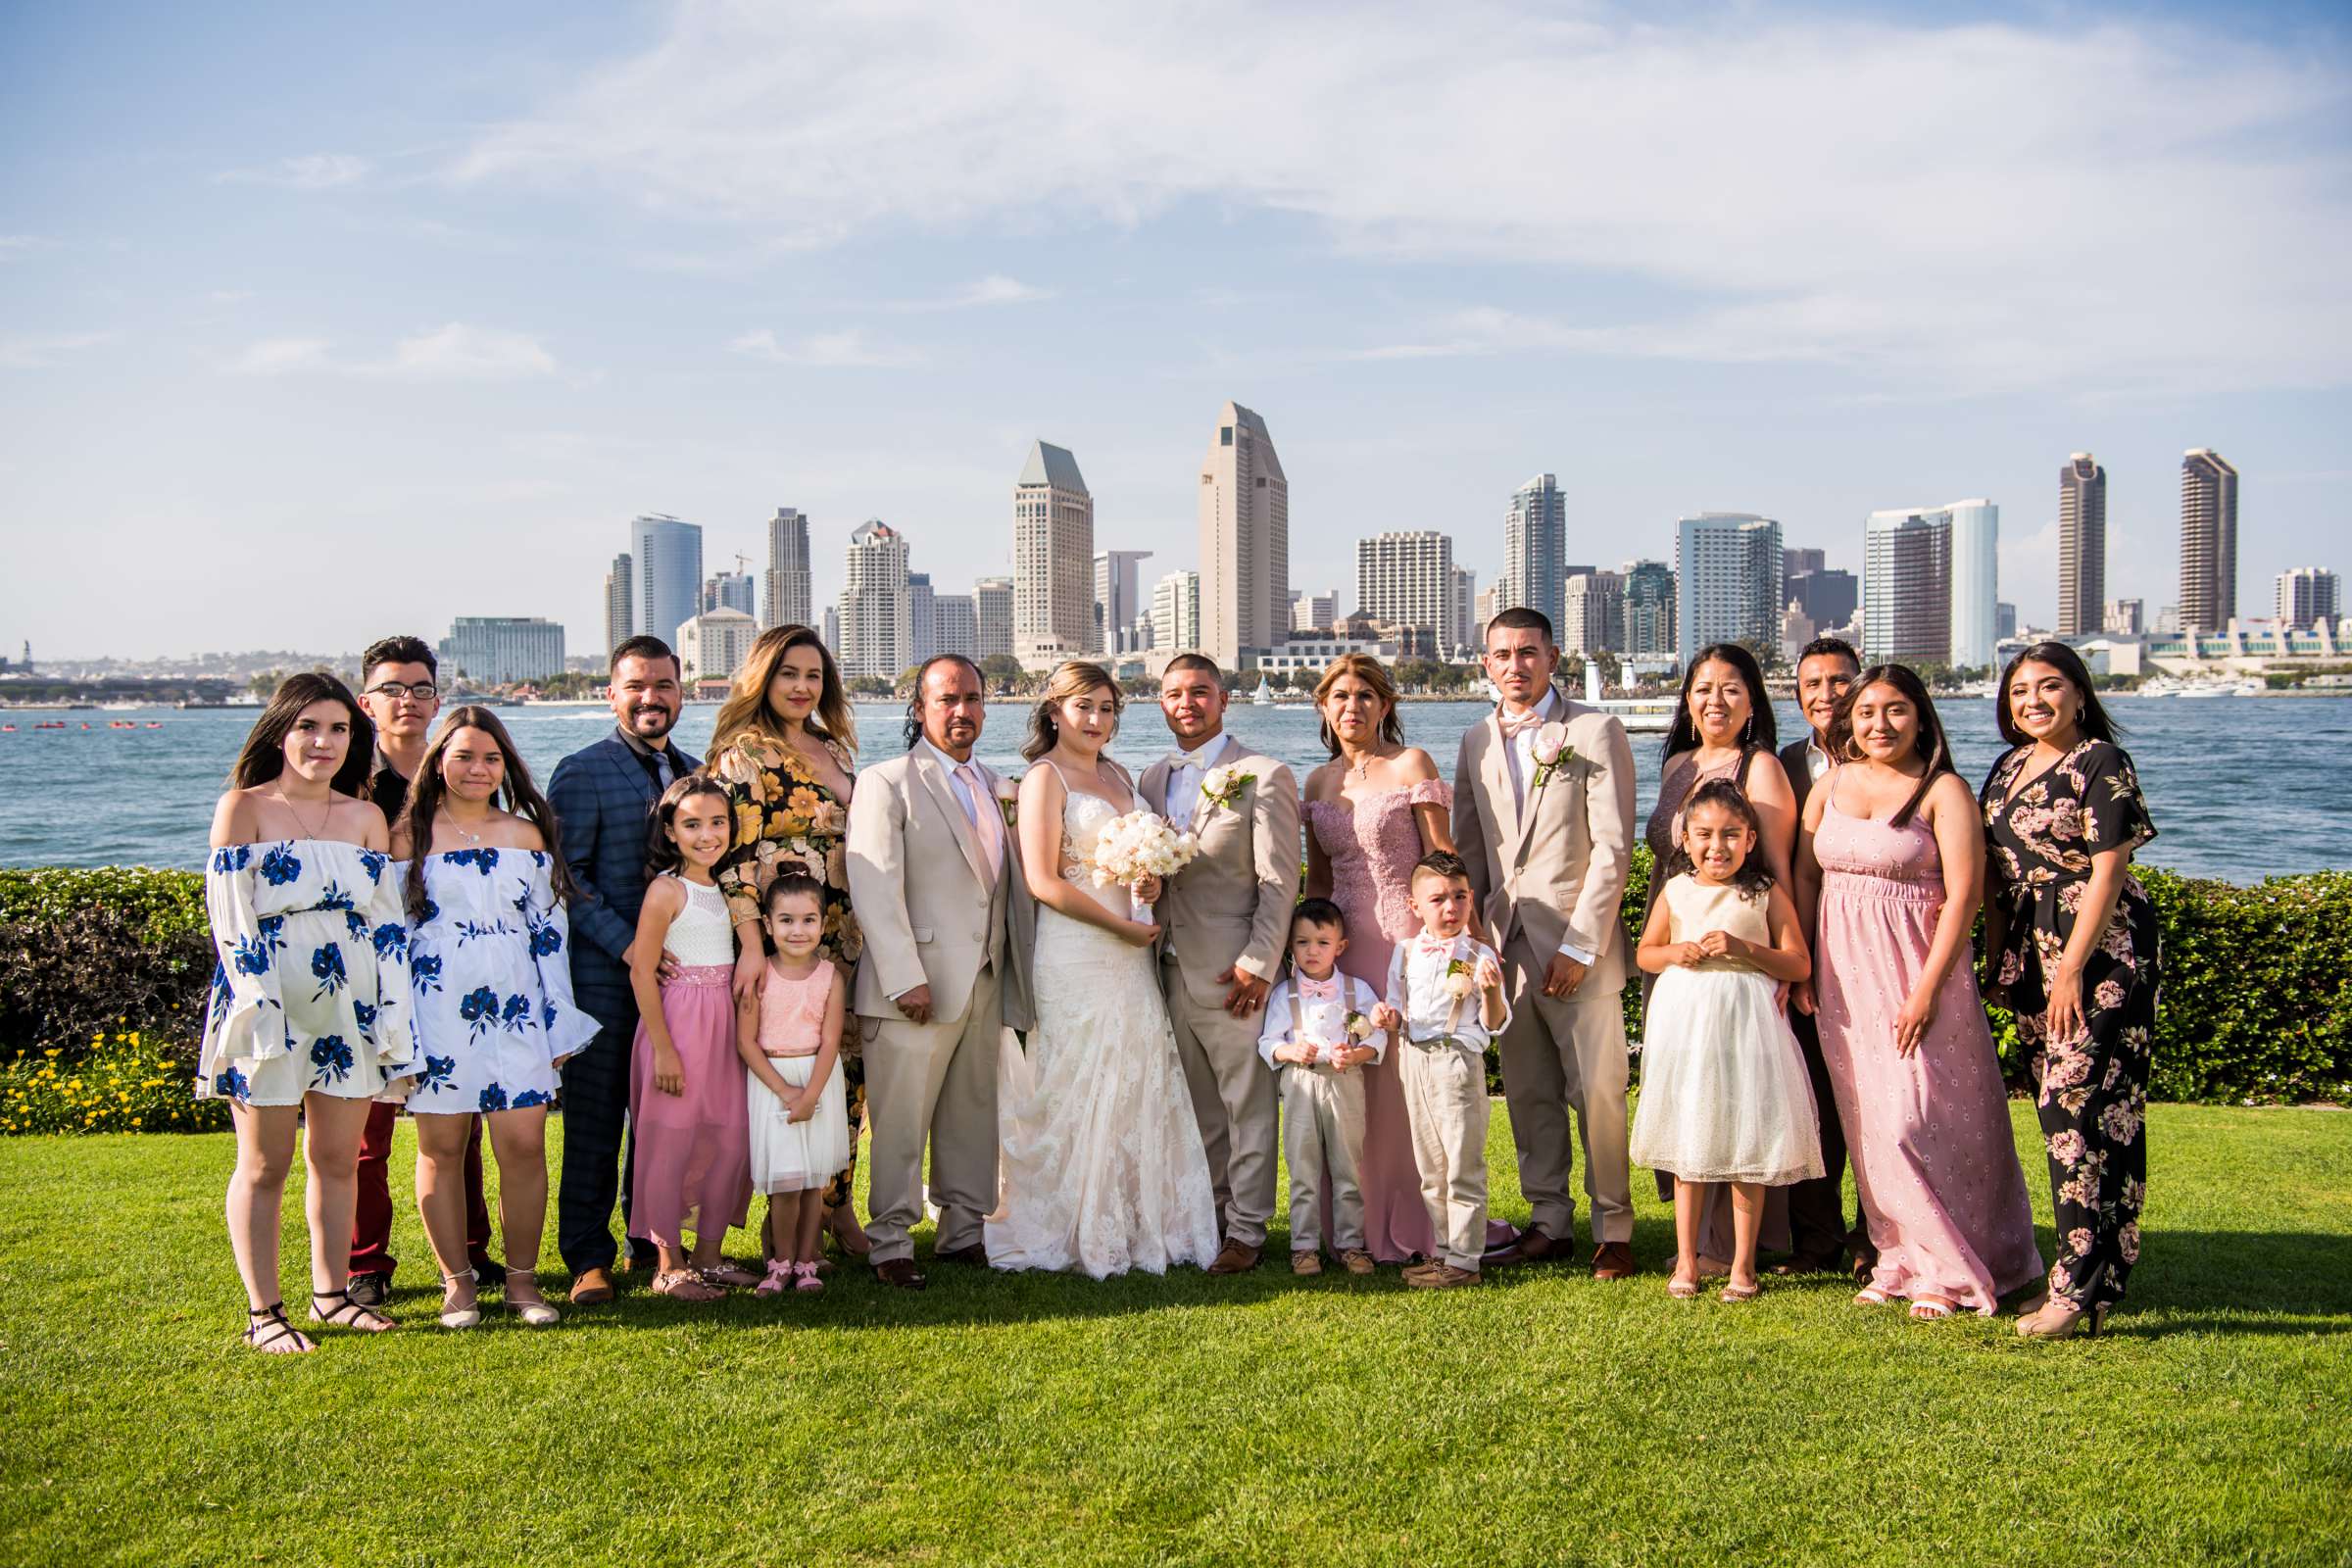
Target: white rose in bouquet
x,y
1135,846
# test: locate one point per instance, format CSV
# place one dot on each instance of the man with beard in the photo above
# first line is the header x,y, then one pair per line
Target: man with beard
x,y
602,795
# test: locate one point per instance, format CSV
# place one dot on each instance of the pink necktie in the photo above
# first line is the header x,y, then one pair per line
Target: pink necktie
x,y
983,810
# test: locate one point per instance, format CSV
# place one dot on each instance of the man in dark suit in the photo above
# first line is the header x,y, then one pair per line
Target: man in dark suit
x,y
1817,1230
602,797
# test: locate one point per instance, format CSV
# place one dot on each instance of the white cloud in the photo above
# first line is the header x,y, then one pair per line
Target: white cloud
x,y
231,296
845,350
281,356
451,353
13,246
313,171
993,289
2103,205
40,353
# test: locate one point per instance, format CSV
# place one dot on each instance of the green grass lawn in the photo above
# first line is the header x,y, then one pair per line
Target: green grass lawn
x,y
1543,1417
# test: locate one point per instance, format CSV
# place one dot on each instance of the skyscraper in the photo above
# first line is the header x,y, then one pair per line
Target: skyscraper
x,y
1796,561
620,604
992,603
730,590
668,573
1118,599
955,626
1907,586
1650,606
1176,613
1535,544
499,650
922,618
1053,560
1826,595
714,645
2208,541
1245,540
1727,569
1592,613
1402,579
790,595
1976,582
2308,595
1461,613
876,620
2081,546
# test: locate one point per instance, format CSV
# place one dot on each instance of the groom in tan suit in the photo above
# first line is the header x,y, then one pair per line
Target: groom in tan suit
x,y
935,880
1544,814
1228,921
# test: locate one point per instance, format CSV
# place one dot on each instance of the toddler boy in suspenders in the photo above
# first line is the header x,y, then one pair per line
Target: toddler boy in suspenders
x,y
1318,1035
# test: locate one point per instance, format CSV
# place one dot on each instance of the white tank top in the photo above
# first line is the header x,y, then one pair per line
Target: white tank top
x,y
702,934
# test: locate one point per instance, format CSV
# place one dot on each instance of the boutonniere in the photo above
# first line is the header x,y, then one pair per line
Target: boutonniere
x,y
1009,796
1459,981
1358,1026
1223,786
1550,751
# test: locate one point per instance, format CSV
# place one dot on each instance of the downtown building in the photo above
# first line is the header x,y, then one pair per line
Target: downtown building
x,y
1930,584
620,604
1593,614
2207,542
1534,546
992,606
1052,560
1726,573
669,575
955,626
2307,596
714,645
1406,579
877,629
501,650
1119,611
1650,604
1245,540
731,590
2081,546
1176,613
789,588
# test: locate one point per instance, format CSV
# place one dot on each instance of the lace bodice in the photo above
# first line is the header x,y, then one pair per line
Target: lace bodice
x,y
702,935
1372,845
792,1012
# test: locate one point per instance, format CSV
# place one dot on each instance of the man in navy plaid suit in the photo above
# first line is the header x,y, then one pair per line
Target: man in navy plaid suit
x,y
604,796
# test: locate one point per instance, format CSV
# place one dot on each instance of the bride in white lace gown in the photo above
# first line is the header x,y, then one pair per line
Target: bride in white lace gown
x,y
1104,1169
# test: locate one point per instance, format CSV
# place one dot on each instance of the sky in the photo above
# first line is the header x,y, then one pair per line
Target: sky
x,y
318,324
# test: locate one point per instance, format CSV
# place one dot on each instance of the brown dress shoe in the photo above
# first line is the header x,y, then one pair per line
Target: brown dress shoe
x,y
975,1253
1613,1260
900,1274
1236,1257
594,1288
1533,1246
1442,1277
1307,1262
1357,1262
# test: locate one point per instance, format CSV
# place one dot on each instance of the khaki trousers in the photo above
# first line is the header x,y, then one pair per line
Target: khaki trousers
x,y
1563,1056
937,1083
1446,1095
1234,1101
1323,1131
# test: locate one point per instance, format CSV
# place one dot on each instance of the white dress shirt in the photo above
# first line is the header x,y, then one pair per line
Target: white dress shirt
x,y
1519,757
1417,990
956,782
1321,1022
1184,776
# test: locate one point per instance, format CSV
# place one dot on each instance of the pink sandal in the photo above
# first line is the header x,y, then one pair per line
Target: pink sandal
x,y
805,1278
685,1285
779,1278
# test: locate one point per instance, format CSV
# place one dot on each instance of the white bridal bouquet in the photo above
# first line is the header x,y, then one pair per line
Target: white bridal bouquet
x,y
1135,846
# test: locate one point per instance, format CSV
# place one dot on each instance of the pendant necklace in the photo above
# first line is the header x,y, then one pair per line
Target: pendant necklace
x,y
297,815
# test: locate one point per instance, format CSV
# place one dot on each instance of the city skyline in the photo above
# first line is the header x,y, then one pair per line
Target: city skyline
x,y
476,290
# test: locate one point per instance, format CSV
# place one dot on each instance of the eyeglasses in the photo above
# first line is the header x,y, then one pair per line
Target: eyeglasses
x,y
391,691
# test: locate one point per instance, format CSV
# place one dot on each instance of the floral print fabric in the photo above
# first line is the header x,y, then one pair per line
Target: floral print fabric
x,y
2091,1088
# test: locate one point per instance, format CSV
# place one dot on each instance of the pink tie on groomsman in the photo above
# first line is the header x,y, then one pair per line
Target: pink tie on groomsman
x,y
980,805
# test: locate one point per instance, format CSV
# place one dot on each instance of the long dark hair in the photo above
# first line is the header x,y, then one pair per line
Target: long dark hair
x,y
1754,878
660,850
1761,732
2095,724
1071,678
264,757
746,706
1928,744
516,792
914,704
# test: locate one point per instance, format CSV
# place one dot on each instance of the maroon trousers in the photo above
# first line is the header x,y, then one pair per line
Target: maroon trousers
x,y
372,1219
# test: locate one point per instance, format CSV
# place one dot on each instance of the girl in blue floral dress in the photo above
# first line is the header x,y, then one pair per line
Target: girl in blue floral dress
x,y
493,987
307,1020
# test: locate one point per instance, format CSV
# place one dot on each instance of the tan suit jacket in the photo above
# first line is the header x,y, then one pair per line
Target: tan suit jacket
x,y
931,912
1231,907
1558,870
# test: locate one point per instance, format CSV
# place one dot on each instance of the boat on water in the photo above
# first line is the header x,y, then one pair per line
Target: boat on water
x,y
1263,697
1640,716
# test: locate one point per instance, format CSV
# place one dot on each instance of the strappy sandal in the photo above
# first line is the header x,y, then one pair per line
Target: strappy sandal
x,y
350,1314
1734,1295
1931,1309
457,1315
1870,1295
778,1280
725,1274
268,1329
805,1280
531,1308
686,1285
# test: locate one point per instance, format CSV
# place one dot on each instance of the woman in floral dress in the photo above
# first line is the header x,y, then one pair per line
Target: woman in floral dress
x,y
785,747
2072,940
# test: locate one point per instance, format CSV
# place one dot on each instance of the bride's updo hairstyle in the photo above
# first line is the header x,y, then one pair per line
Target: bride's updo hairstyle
x,y
1072,679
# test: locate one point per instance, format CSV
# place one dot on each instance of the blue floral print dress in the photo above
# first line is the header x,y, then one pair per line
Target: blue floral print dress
x,y
310,975
493,983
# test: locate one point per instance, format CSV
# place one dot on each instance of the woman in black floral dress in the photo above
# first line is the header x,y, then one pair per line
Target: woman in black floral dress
x,y
2071,940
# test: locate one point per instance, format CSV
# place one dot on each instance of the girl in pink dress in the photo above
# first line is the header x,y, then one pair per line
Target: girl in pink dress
x,y
1376,808
1892,854
788,1032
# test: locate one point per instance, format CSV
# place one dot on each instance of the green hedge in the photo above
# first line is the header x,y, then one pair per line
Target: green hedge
x,y
103,975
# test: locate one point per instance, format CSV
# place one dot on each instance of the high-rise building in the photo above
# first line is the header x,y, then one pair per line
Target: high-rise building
x,y
1593,614
2309,595
1176,614
731,590
1053,560
1907,586
1727,571
790,591
669,555
1650,609
1314,612
2208,541
1406,579
2124,618
830,632
877,634
1797,562
1828,597
922,618
992,602
955,625
1118,599
500,650
1534,546
620,604
1461,622
2081,546
1487,607
2004,617
714,645
1245,540
1976,582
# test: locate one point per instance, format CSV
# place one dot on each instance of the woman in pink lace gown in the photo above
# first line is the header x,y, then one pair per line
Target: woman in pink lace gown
x,y
1372,810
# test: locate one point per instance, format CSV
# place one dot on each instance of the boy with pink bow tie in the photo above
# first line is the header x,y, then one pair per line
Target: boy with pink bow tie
x,y
1318,1031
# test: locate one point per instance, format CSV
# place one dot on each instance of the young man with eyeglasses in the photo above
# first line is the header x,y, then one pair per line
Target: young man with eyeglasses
x,y
399,686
